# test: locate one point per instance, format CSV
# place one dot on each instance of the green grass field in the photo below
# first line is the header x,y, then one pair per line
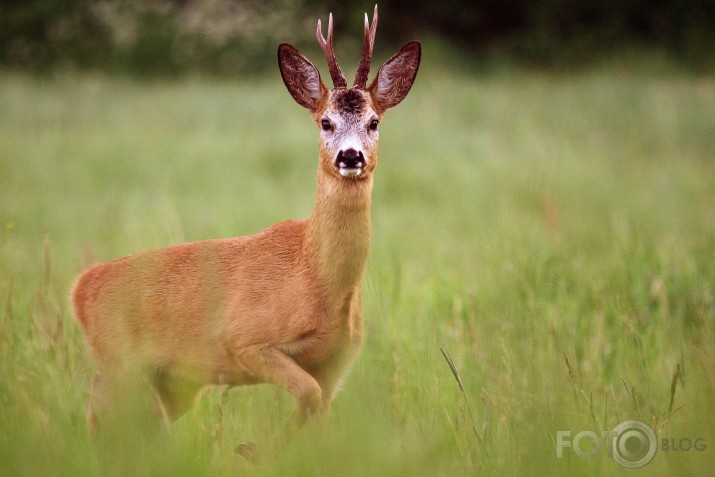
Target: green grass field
x,y
553,232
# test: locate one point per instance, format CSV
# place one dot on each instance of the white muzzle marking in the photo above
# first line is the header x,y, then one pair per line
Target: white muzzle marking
x,y
350,171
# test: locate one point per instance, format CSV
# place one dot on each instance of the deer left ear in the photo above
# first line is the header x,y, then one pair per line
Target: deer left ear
x,y
395,77
301,77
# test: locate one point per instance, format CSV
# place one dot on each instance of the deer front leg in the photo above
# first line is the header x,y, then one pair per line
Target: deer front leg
x,y
274,366
331,376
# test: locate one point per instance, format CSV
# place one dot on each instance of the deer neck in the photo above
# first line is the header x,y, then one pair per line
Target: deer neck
x,y
338,233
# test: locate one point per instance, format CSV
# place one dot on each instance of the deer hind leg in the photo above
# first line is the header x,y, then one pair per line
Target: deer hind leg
x,y
138,398
175,395
98,397
115,398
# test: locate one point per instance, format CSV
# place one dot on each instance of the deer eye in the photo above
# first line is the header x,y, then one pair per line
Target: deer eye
x,y
373,125
325,124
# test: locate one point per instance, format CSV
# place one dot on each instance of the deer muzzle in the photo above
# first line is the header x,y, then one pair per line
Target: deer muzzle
x,y
350,162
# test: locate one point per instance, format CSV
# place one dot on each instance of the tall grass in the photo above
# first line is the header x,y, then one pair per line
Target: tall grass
x,y
554,234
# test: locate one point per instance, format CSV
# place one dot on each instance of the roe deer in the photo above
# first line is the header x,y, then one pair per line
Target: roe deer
x,y
282,306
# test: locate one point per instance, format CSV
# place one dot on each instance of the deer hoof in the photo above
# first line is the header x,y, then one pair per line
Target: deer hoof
x,y
248,451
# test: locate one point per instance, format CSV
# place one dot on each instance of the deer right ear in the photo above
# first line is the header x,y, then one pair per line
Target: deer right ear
x,y
395,77
300,77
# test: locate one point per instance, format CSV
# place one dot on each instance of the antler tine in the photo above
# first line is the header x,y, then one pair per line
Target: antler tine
x,y
327,46
368,44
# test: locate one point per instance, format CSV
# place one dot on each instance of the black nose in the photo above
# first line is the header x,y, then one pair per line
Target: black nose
x,y
350,158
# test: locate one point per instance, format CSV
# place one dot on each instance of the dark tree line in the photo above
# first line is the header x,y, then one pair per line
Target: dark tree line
x,y
231,36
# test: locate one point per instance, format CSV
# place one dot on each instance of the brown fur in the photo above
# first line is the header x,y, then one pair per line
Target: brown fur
x,y
283,306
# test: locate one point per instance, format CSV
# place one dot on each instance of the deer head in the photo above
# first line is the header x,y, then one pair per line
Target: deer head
x,y
349,118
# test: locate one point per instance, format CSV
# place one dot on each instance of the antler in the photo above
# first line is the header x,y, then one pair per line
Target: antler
x,y
368,43
327,46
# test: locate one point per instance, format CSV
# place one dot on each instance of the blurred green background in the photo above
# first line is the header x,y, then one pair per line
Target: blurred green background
x,y
544,210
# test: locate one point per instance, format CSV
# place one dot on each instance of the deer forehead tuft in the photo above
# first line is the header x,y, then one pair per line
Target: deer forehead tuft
x,y
350,101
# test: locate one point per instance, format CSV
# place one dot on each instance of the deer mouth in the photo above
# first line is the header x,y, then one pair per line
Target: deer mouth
x,y
350,163
350,171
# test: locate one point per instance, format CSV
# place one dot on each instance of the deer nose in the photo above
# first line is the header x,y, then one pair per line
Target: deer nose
x,y
350,159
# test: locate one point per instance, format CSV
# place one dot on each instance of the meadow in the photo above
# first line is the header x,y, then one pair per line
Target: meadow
x,y
552,232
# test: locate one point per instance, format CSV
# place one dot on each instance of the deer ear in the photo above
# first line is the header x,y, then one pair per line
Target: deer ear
x,y
395,77
300,77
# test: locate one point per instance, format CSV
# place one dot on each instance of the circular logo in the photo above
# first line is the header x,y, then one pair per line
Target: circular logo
x,y
634,445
